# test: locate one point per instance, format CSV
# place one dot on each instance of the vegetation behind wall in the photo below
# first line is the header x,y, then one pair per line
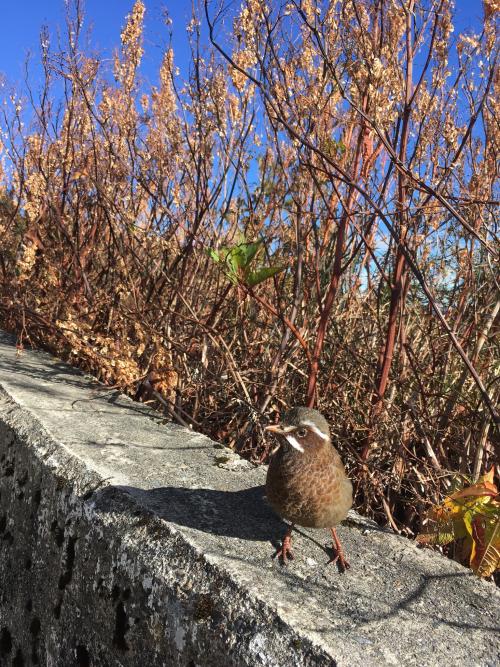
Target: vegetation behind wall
x,y
308,218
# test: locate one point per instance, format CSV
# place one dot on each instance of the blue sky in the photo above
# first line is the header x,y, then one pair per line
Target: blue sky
x,y
22,20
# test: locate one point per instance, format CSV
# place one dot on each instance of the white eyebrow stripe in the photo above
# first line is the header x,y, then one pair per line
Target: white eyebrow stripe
x,y
314,428
294,443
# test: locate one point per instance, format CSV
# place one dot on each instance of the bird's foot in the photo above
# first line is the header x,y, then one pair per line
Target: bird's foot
x,y
338,553
340,559
285,552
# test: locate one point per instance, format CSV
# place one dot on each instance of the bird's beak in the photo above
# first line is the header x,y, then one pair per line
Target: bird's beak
x,y
278,429
275,428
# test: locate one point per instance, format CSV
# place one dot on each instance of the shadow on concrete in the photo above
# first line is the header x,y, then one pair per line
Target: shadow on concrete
x,y
433,585
242,514
246,515
374,605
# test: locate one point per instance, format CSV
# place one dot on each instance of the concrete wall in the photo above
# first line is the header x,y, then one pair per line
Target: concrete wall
x,y
128,541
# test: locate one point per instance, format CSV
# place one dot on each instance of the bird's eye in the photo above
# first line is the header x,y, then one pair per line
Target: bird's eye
x,y
301,432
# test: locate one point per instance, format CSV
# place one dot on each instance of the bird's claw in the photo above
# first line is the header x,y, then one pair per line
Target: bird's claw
x,y
338,553
283,555
285,552
343,564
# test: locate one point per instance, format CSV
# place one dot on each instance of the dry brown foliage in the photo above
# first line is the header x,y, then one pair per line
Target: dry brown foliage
x,y
356,139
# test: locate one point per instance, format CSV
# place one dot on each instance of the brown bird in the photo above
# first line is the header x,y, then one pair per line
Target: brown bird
x,y
306,481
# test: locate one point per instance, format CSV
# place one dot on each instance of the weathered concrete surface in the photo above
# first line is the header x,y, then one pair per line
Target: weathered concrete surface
x,y
123,542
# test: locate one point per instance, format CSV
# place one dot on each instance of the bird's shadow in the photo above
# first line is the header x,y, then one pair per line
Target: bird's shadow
x,y
244,514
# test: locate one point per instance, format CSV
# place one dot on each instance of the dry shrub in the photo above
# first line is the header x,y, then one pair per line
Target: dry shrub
x,y
359,150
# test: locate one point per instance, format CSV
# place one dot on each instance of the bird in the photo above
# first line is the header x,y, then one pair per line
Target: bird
x,y
306,482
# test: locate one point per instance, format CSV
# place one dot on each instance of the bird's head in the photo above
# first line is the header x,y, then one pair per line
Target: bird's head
x,y
303,429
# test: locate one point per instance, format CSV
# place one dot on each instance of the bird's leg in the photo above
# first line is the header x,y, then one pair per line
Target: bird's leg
x,y
339,552
286,547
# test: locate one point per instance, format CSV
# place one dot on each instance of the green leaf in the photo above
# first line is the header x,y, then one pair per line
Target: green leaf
x,y
231,261
244,253
438,537
213,255
470,516
237,260
225,256
486,558
255,277
333,148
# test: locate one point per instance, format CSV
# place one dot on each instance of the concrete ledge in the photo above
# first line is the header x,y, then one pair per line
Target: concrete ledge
x,y
127,541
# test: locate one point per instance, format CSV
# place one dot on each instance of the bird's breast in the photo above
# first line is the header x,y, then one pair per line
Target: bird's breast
x,y
312,491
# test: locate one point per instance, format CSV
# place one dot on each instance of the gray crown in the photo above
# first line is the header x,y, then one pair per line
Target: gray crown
x,y
296,416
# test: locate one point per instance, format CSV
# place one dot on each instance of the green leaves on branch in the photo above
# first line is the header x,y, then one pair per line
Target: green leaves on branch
x,y
333,148
236,261
256,277
471,518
